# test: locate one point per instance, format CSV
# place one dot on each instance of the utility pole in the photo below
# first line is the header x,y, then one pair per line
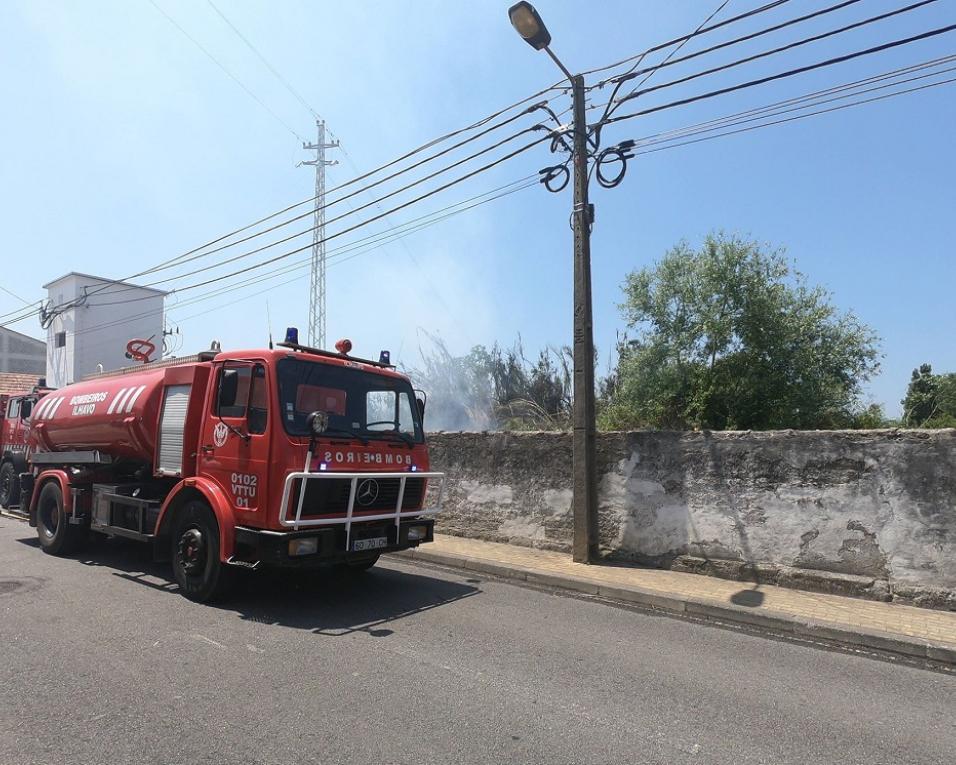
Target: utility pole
x,y
528,23
584,467
317,285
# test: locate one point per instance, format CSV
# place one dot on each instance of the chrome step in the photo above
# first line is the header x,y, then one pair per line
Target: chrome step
x,y
231,561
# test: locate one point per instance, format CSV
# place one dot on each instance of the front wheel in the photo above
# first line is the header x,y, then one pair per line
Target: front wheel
x,y
9,486
195,553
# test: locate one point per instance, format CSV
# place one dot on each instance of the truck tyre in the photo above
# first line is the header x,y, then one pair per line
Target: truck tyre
x,y
57,535
363,564
9,486
195,554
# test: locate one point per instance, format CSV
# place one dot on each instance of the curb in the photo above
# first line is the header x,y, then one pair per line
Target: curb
x,y
702,608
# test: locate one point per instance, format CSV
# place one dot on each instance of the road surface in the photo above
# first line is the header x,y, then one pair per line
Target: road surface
x,y
101,661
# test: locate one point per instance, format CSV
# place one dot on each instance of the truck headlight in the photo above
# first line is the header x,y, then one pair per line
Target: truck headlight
x,y
303,546
417,533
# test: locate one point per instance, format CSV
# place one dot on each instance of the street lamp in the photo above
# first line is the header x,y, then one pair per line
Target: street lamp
x,y
526,21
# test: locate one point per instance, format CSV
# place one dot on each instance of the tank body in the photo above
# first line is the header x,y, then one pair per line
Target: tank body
x,y
115,415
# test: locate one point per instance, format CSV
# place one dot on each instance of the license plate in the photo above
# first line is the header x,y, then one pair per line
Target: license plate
x,y
369,544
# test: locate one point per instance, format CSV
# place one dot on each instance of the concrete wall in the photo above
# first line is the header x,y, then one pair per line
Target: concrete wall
x,y
868,513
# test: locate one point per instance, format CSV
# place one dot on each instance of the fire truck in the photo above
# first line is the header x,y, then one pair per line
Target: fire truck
x,y
15,411
285,457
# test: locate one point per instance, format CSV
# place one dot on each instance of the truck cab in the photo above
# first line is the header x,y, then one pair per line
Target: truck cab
x,y
15,412
321,457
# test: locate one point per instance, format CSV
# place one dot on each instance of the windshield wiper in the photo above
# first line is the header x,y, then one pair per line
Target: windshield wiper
x,y
403,436
348,432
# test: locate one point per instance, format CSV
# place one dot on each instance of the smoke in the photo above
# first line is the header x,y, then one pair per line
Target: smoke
x,y
460,394
493,389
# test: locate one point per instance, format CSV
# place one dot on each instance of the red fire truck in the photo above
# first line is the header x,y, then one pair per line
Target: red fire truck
x,y
283,457
15,411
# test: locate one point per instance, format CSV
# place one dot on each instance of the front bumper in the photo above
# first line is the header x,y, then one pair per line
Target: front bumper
x,y
271,548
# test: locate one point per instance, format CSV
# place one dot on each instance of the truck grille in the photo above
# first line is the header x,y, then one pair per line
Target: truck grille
x,y
331,495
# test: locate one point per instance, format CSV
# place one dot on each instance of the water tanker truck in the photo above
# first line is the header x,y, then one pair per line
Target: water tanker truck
x,y
286,457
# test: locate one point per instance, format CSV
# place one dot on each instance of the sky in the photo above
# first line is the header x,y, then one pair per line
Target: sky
x,y
125,146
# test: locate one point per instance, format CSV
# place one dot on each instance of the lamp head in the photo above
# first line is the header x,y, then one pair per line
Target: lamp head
x,y
528,24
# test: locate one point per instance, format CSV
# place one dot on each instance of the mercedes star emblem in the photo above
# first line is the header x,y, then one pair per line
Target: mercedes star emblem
x,y
367,492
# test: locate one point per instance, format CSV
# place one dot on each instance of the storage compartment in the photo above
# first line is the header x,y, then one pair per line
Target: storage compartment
x,y
125,510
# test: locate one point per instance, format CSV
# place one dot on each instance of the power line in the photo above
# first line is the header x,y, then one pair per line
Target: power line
x,y
15,295
263,59
669,43
612,107
422,220
302,264
409,227
229,74
634,73
417,150
785,74
196,256
284,240
669,56
364,249
479,123
650,73
282,256
408,251
317,289
429,144
527,181
808,114
797,103
366,222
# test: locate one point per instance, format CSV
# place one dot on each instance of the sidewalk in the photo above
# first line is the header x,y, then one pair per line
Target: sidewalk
x,y
886,627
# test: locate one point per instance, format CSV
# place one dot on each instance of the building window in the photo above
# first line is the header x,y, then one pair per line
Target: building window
x,y
59,340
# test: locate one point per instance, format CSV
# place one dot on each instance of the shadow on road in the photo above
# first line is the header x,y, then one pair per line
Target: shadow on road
x,y
328,602
749,598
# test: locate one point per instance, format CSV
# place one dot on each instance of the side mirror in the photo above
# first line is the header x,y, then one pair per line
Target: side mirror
x,y
421,407
317,422
228,388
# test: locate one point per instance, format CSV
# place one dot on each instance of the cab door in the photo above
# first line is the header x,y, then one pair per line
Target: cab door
x,y
234,448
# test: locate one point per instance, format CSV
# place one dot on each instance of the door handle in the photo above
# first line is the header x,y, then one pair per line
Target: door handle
x,y
206,448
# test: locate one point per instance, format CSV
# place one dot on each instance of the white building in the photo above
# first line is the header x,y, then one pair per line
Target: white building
x,y
93,320
19,353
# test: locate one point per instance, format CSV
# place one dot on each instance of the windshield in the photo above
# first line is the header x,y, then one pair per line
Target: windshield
x,y
359,403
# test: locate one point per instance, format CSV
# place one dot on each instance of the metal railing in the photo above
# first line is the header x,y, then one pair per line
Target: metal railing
x,y
397,514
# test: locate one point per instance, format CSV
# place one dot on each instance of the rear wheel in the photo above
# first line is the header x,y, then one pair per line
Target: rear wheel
x,y
57,535
195,554
9,486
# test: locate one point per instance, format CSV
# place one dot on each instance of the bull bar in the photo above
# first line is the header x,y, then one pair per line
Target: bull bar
x,y
397,515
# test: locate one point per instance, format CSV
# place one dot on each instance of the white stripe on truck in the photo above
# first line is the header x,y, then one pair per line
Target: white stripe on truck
x,y
132,399
116,398
43,407
56,406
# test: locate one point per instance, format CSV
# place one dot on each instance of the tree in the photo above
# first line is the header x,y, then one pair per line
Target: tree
x,y
729,336
930,399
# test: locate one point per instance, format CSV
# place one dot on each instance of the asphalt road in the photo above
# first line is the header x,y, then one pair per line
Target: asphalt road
x,y
101,661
